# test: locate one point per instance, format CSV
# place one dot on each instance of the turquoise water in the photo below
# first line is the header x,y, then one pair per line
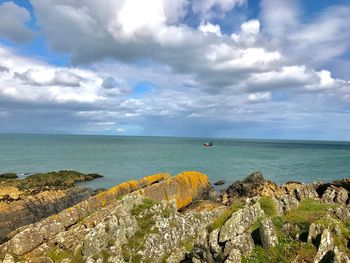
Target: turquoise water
x,y
123,158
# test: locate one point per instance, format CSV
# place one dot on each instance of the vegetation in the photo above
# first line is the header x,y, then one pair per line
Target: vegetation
x,y
57,255
8,176
268,205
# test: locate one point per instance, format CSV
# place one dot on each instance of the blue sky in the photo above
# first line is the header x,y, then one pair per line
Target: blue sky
x,y
212,68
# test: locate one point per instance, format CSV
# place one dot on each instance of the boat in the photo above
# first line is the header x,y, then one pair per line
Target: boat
x,y
208,144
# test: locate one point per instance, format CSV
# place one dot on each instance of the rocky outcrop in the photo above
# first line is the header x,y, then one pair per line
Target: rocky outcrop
x,y
254,184
31,209
93,224
326,245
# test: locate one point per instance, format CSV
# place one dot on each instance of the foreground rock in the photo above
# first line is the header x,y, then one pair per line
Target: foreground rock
x,y
165,219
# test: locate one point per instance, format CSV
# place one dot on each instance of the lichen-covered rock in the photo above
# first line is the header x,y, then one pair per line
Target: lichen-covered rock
x,y
235,256
243,242
184,188
268,233
326,245
329,195
214,245
25,241
240,222
291,230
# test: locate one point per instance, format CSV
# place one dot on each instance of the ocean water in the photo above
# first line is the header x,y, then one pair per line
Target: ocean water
x,y
123,158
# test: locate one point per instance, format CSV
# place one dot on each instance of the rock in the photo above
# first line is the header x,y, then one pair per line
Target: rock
x,y
224,199
243,242
240,222
220,182
329,195
25,241
235,256
8,259
202,253
314,231
214,242
291,230
31,209
178,255
268,233
184,188
326,245
252,185
340,257
10,194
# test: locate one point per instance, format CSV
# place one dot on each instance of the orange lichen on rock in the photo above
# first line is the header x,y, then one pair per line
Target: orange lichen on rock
x,y
184,188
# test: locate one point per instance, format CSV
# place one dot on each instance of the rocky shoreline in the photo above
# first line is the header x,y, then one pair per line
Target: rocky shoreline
x,y
163,218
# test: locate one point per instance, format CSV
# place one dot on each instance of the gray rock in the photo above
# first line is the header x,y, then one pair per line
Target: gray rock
x,y
268,234
215,248
244,243
25,241
235,256
240,222
326,245
329,195
202,253
314,231
177,256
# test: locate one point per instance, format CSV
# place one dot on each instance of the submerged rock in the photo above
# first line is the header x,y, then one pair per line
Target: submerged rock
x,y
220,182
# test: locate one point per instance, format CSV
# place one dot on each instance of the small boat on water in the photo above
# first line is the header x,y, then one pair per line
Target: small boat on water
x,y
208,144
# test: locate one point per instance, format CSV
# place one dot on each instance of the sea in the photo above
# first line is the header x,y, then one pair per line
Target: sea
x,y
121,158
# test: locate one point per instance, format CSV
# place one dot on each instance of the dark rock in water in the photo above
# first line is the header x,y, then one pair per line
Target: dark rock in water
x,y
220,182
8,176
254,184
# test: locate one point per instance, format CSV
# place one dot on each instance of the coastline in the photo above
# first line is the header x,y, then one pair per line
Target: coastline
x,y
252,220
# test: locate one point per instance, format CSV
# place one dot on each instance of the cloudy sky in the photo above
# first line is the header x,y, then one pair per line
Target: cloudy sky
x,y
213,68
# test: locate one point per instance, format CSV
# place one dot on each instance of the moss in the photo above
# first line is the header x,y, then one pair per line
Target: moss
x,y
268,206
188,244
146,204
308,211
220,221
57,255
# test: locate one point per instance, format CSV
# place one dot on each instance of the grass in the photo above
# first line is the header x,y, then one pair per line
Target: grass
x,y
57,255
268,206
309,210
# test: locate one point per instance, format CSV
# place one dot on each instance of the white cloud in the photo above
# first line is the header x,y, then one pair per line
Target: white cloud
x,y
210,28
13,19
259,96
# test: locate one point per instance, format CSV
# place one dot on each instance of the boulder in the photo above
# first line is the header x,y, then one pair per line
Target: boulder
x,y
240,222
8,259
268,233
314,231
252,185
25,241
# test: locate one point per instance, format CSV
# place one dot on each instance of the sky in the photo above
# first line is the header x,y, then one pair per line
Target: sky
x,y
198,68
